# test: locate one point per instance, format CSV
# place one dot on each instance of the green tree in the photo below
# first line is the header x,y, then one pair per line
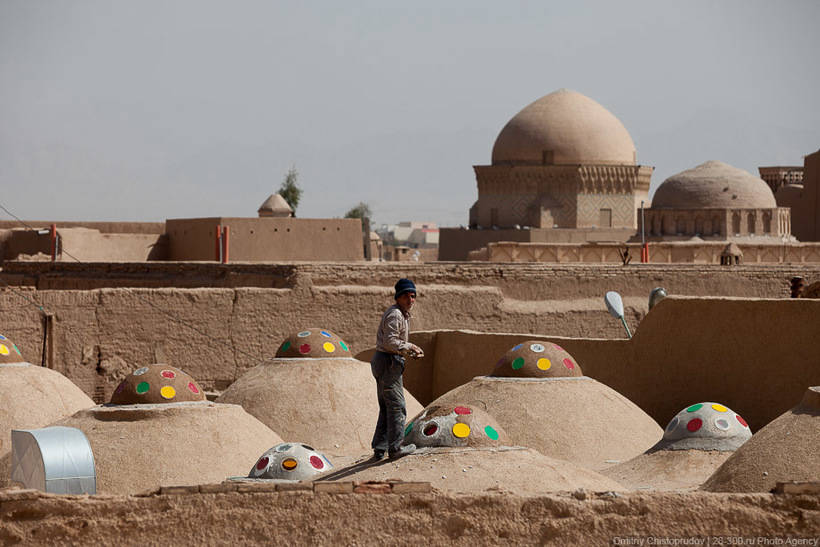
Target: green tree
x,y
361,211
290,189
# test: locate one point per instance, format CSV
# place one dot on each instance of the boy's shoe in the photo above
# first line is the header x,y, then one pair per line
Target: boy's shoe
x,y
403,451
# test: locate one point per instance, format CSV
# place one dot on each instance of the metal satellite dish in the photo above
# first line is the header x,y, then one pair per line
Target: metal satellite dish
x,y
615,305
55,459
657,294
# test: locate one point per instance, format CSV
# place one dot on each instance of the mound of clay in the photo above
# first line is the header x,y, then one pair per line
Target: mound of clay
x,y
536,359
784,450
157,384
31,397
521,471
457,426
141,447
667,469
290,461
564,416
326,402
695,443
313,342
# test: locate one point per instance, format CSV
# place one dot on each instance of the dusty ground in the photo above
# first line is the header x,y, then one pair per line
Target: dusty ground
x,y
305,517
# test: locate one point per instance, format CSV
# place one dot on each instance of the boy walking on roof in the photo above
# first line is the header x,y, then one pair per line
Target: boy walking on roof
x,y
387,365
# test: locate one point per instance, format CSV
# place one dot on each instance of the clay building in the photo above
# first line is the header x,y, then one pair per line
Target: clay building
x,y
159,430
31,397
314,391
715,201
784,450
803,198
538,393
696,441
563,169
461,448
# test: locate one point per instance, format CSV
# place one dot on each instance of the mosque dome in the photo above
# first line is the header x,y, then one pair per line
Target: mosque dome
x,y
564,128
713,185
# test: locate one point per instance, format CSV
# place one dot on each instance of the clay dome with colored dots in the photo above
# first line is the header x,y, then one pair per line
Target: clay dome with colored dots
x,y
31,397
783,450
9,353
695,443
159,430
314,390
706,426
290,461
457,426
314,343
461,448
552,408
536,359
157,384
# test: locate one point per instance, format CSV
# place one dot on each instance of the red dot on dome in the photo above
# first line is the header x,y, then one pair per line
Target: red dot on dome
x,y
317,462
262,463
192,387
168,374
462,410
569,364
304,348
741,420
694,424
559,348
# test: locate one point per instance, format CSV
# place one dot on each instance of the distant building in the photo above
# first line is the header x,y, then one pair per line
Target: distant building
x,y
563,169
715,201
780,175
803,198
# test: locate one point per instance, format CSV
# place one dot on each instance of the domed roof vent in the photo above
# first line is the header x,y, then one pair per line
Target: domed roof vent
x,y
564,128
275,206
714,185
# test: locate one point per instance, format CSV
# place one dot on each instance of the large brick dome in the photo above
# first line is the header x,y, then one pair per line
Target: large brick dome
x,y
564,128
714,185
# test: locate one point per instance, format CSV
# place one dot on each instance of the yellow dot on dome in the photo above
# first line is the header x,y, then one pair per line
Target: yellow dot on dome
x,y
461,430
544,363
329,347
4,350
719,408
168,392
290,464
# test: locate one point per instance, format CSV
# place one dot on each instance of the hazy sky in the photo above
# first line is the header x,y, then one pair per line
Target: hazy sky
x,y
147,110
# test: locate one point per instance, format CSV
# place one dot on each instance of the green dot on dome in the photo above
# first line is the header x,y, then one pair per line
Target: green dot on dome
x,y
17,350
286,345
694,408
491,433
142,387
518,363
344,346
408,429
